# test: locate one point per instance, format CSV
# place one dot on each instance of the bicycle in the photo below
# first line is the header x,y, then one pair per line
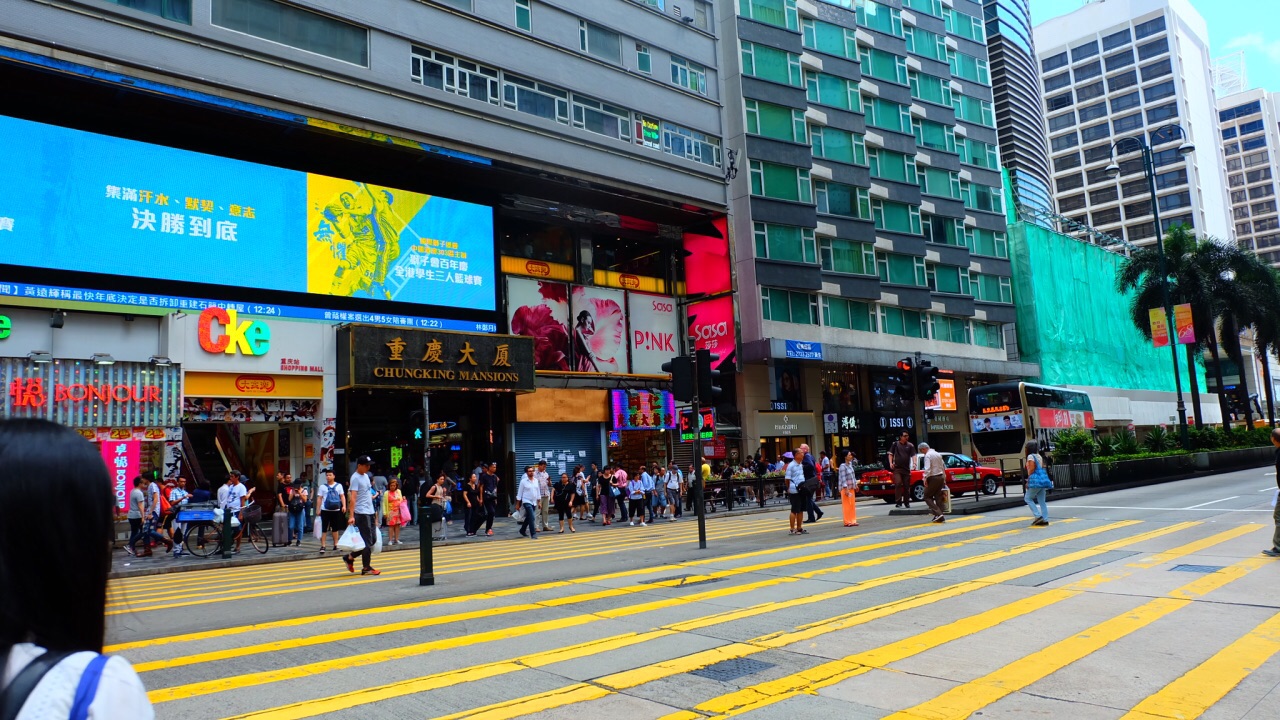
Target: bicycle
x,y
203,534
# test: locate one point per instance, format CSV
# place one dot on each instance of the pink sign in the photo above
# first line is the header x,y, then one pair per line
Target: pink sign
x,y
712,327
1052,418
655,331
707,268
123,460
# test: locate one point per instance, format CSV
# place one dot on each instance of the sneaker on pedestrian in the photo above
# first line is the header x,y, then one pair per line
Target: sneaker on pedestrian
x,y
632,523
370,571
1273,552
899,505
321,549
489,533
351,563
642,524
939,519
130,551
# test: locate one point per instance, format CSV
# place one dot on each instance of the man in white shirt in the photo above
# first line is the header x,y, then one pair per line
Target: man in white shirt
x,y
672,479
232,497
795,489
544,497
360,500
935,478
528,495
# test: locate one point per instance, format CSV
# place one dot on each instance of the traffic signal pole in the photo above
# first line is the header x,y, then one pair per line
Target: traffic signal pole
x,y
697,450
923,426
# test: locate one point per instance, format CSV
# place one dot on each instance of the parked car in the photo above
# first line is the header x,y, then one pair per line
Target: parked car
x,y
964,475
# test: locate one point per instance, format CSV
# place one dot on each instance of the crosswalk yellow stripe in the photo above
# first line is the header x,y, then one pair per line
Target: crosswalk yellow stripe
x,y
273,590
576,693
634,677
324,638
1191,695
964,700
755,697
435,602
450,678
446,556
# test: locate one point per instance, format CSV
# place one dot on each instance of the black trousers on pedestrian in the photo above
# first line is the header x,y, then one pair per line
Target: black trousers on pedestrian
x,y
490,512
365,524
812,507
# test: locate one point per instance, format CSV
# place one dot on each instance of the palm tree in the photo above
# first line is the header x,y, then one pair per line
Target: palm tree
x,y
1252,300
1194,268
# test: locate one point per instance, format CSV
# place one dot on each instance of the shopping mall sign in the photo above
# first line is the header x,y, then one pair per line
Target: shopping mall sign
x,y
408,359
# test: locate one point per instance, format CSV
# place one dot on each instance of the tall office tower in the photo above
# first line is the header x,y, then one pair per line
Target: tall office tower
x,y
1251,142
1124,68
868,215
1015,82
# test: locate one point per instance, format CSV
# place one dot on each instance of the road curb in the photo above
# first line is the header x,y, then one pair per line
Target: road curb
x,y
959,507
268,559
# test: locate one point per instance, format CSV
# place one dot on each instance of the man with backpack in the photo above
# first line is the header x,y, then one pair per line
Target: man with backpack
x,y
331,504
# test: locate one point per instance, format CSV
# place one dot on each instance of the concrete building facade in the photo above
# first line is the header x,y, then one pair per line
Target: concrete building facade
x,y
1251,144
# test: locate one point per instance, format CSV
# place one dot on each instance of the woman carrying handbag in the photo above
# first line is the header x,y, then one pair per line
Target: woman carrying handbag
x,y
1038,484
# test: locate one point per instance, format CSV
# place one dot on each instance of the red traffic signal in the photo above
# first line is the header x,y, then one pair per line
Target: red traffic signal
x,y
905,365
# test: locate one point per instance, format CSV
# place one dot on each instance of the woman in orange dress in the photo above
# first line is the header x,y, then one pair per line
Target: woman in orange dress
x,y
848,483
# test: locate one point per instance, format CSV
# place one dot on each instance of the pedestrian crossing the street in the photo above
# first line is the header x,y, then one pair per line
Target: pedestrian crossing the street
x,y
982,616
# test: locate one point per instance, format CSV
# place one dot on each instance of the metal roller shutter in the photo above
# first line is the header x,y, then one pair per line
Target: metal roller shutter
x,y
579,442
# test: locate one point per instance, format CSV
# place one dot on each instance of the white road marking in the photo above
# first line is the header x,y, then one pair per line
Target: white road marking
x,y
1266,489
1211,502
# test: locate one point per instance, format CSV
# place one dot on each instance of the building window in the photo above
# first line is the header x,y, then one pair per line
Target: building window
x,y
768,63
934,136
1062,142
943,231
1053,62
644,59
455,75
599,42
896,217
1116,39
1158,91
1086,50
898,269
1057,82
824,89
1263,208
775,121
1127,123
987,242
1252,127
789,307
989,335
830,39
1099,197
1071,204
848,314
903,323
1058,102
1162,113
1100,131
881,18
524,15
1093,112
847,256
1171,179
1254,176
781,13
1066,162
889,165
1089,92
175,10
840,145
1148,28
1122,81
1262,191
968,67
1157,69
688,74
295,27
780,182
785,242
926,44
1062,122
1156,47
1088,70
1240,111
848,201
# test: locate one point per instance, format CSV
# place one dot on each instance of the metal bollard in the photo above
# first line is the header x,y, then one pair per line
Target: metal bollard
x,y
430,514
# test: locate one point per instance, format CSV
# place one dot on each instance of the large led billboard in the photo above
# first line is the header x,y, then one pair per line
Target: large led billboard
x,y
72,200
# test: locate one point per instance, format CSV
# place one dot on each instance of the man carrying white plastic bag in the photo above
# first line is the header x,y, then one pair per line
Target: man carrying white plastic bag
x,y
360,500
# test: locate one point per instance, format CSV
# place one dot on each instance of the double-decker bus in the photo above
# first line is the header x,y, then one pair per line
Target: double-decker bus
x,y
1003,417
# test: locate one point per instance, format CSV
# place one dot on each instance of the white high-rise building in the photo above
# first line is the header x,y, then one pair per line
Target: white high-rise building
x,y
1250,127
1120,68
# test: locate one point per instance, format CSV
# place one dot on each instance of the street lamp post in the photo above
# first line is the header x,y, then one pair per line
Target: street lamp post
x,y
1163,134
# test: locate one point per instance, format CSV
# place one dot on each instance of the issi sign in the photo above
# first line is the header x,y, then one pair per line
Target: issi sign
x,y
222,331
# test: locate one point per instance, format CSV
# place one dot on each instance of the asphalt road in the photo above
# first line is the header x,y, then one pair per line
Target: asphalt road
x,y
1137,604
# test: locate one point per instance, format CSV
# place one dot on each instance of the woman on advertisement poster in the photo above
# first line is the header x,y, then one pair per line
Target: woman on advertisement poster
x,y
599,332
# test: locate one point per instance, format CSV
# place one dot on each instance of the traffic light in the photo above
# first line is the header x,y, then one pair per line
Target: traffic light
x,y
905,391
928,380
708,390
681,369
417,433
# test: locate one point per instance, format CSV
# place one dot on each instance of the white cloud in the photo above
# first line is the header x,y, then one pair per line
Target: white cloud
x,y
1255,41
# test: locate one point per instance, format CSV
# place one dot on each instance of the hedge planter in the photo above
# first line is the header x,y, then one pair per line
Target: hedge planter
x,y
1145,469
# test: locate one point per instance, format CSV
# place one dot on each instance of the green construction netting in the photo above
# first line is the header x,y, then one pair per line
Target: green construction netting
x,y
1073,321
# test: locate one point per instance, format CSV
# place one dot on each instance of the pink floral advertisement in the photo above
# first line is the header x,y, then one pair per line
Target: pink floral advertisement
x,y
599,330
540,309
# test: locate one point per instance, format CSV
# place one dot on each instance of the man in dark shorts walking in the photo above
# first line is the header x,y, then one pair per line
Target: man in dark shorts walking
x,y
901,454
1275,515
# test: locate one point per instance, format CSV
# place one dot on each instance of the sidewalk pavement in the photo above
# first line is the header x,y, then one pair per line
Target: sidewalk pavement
x,y
504,528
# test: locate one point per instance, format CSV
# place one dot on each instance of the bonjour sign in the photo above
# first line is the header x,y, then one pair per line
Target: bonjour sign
x,y
406,358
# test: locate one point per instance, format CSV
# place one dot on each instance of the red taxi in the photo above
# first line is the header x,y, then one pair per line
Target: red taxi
x,y
964,475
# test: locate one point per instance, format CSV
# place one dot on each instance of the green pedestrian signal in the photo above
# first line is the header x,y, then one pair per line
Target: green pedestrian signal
x,y
417,433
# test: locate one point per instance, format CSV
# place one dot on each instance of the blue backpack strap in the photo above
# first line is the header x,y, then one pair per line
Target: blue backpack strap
x,y
87,690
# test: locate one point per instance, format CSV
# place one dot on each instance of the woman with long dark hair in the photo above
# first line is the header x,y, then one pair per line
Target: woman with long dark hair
x,y
51,608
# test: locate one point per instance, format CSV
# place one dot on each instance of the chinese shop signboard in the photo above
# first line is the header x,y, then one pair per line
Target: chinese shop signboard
x,y
123,461
402,358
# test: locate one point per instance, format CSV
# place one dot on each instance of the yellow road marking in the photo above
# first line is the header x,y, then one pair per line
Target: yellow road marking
x,y
446,557
208,596
1191,695
964,700
325,638
576,693
650,672
294,622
